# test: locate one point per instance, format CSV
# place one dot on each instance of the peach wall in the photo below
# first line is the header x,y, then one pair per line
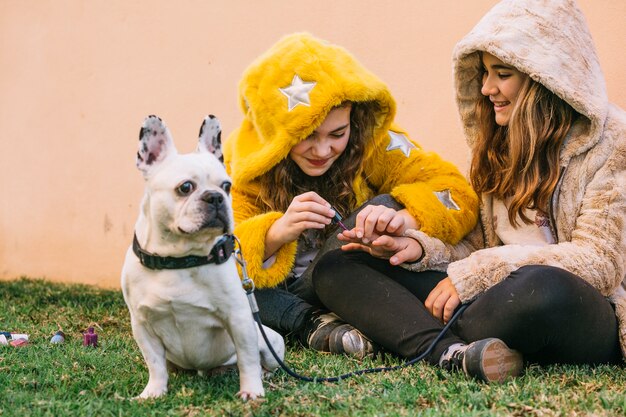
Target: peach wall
x,y
77,78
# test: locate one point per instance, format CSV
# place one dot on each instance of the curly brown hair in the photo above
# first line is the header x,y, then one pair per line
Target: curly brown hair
x,y
286,180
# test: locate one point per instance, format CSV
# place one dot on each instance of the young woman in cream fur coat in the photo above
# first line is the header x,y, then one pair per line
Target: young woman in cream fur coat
x,y
543,270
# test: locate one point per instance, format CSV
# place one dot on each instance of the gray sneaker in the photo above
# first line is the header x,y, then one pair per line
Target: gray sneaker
x,y
346,339
321,327
489,360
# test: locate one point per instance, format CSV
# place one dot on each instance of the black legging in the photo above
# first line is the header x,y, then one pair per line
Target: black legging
x,y
546,313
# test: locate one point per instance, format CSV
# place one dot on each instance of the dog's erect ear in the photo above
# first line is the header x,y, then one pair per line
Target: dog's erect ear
x,y
210,139
155,144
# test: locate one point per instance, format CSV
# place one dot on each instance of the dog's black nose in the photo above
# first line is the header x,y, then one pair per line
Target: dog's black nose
x,y
213,197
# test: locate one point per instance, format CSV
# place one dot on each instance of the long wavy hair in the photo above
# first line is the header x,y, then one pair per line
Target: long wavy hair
x,y
521,161
286,180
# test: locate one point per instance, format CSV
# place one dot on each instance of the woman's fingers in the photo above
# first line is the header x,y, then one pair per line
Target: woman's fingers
x,y
451,305
442,300
384,220
411,252
309,211
355,247
400,249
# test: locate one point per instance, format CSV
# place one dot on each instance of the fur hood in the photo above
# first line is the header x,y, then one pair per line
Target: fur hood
x,y
546,39
287,93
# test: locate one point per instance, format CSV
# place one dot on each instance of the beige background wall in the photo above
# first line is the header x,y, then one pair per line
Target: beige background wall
x,y
78,77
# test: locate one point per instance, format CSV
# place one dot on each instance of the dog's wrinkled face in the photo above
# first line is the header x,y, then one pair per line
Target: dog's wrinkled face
x,y
186,194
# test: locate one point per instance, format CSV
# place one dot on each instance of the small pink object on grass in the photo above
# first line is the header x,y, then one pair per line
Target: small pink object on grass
x,y
18,342
90,338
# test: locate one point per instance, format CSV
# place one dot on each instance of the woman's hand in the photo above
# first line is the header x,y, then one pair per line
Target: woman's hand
x,y
374,221
443,300
397,249
306,211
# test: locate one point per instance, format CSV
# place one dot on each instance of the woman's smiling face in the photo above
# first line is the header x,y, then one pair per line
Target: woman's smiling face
x,y
317,153
501,83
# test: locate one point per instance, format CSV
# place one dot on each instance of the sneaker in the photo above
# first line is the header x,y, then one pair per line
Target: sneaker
x,y
346,339
319,331
489,360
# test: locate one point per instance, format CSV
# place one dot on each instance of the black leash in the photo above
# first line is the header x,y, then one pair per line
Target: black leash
x,y
248,286
360,371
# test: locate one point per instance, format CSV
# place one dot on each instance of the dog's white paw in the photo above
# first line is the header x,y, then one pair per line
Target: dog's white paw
x,y
152,392
250,389
250,395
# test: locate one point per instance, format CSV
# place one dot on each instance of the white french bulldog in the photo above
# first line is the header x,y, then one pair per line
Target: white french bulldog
x,y
185,312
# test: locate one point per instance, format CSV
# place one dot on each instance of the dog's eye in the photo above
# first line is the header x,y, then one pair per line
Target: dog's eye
x,y
186,188
226,187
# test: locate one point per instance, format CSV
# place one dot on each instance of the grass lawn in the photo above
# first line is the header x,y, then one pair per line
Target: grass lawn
x,y
42,379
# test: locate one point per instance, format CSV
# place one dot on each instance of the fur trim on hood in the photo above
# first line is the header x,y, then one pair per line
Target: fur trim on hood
x,y
288,92
546,39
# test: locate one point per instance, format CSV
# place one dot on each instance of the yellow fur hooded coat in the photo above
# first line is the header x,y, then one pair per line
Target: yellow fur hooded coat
x,y
285,95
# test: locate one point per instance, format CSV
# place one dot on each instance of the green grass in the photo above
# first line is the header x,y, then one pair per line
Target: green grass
x,y
71,380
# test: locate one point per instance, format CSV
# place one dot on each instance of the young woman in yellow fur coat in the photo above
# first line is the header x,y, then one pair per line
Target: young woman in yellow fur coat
x,y
318,139
543,271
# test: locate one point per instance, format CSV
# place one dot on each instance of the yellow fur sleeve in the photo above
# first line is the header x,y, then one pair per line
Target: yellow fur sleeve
x,y
251,226
251,233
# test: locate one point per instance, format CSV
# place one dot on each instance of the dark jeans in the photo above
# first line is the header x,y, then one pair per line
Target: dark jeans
x,y
546,313
288,307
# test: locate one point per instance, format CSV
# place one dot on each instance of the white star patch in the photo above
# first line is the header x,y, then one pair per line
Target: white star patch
x,y
399,141
446,199
298,92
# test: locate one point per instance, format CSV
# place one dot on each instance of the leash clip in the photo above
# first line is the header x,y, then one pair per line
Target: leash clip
x,y
246,282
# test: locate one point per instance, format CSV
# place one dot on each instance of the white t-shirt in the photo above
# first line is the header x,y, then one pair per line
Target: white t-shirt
x,y
537,233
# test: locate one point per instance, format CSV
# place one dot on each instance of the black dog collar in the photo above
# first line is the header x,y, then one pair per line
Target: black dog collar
x,y
220,253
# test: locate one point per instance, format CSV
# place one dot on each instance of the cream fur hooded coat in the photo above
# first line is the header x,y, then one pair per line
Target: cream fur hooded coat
x,y
548,40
